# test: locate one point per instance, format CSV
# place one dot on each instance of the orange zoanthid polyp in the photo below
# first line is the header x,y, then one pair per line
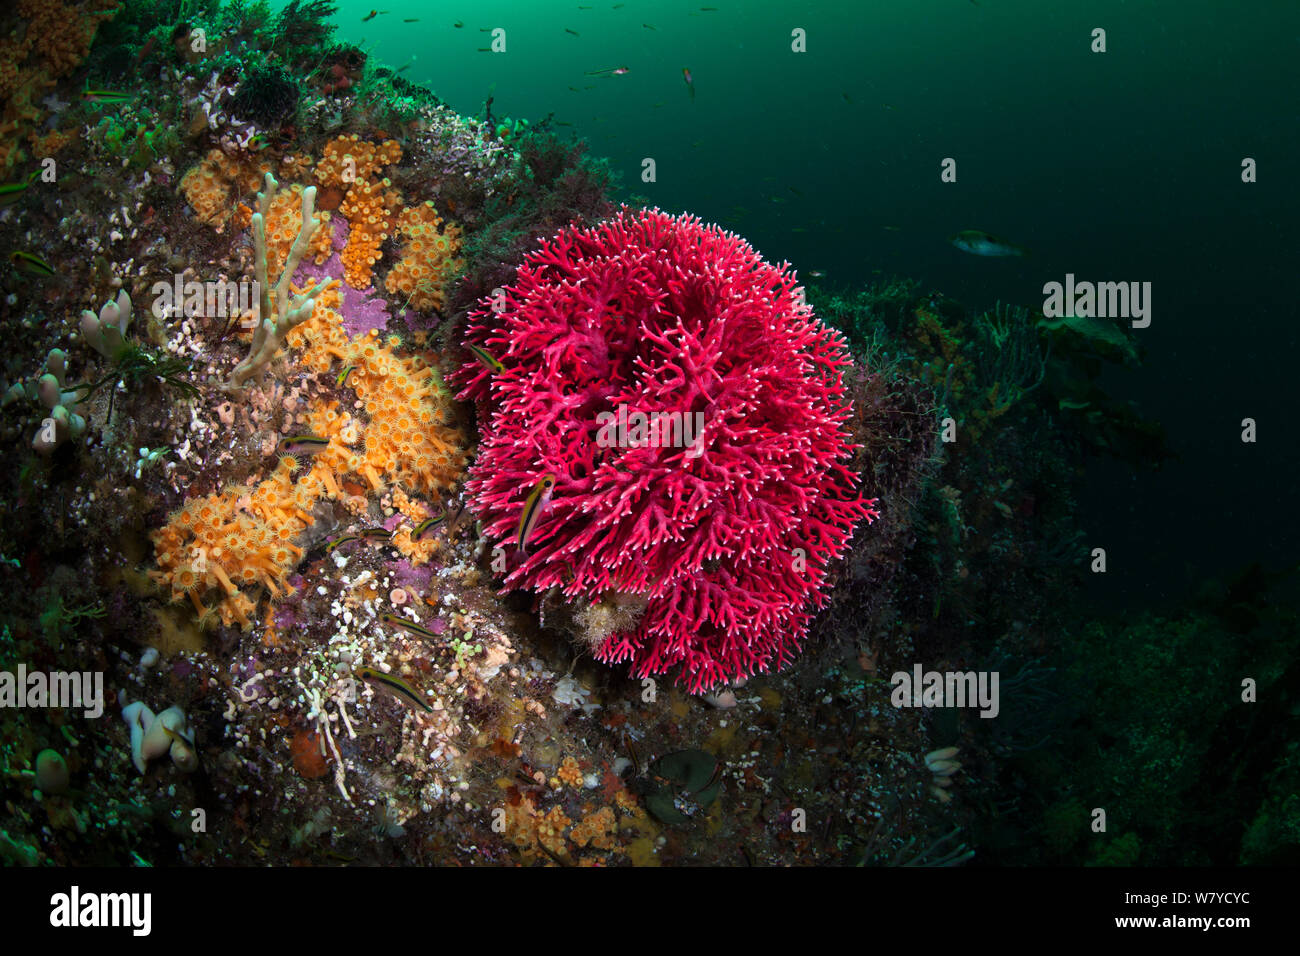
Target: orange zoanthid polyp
x,y
245,540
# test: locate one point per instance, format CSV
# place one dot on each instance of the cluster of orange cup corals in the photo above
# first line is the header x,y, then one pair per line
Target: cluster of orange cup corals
x,y
54,42
239,538
409,438
369,204
63,33
569,773
282,227
239,542
351,169
531,831
600,829
243,537
368,208
374,211
401,436
213,186
350,159
428,260
13,75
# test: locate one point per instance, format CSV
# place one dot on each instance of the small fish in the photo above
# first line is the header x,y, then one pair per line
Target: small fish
x,y
177,736
106,96
485,49
343,376
457,516
533,508
793,190
615,70
144,52
427,525
457,24
574,32
375,534
259,142
574,89
403,68
10,193
411,626
847,98
817,273
709,9
690,83
559,860
713,778
395,686
487,360
32,265
980,243
340,541
302,445
372,14
892,228
648,26
637,769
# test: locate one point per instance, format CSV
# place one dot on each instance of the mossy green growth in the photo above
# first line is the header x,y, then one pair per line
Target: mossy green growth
x,y
137,144
868,317
1063,826
59,619
465,650
111,133
1158,685
1273,837
1125,850
142,150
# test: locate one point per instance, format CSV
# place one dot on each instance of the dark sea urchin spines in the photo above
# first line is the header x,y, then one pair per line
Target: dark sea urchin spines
x,y
268,96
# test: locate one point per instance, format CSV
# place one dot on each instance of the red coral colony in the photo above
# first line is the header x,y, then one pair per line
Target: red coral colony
x,y
663,425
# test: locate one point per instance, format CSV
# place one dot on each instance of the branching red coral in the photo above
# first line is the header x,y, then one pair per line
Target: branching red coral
x,y
726,530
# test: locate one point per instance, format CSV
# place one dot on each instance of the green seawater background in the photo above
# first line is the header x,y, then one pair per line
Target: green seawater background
x,y
1115,166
